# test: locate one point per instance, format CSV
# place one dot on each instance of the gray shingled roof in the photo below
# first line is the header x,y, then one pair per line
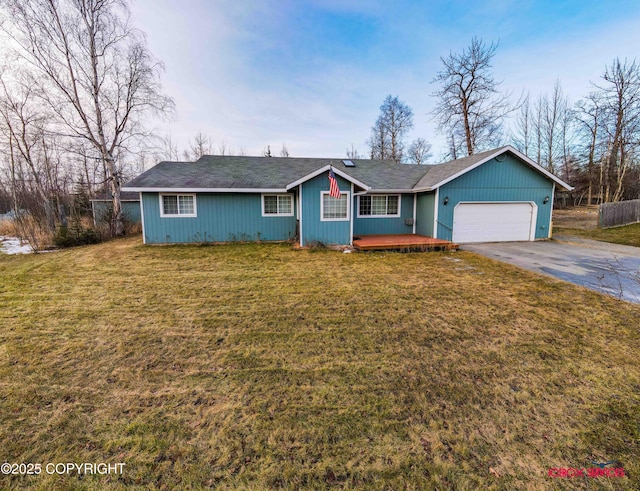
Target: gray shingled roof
x,y
229,173
222,172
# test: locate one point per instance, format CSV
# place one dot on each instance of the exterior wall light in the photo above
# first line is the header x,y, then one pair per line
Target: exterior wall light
x,y
546,200
446,200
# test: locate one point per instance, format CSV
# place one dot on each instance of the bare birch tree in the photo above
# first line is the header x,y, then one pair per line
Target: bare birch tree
x,y
284,152
419,151
620,96
378,142
554,117
588,117
543,130
199,146
469,106
352,152
168,149
522,133
94,72
390,130
224,149
24,126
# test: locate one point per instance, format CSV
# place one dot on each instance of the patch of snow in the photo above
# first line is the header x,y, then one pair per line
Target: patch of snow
x,y
12,245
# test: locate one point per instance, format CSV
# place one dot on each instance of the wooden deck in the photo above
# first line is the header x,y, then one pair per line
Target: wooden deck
x,y
401,242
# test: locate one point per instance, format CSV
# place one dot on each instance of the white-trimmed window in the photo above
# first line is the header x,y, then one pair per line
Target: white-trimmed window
x,y
178,205
334,209
277,205
379,206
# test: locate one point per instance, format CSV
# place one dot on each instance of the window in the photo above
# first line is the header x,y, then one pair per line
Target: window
x,y
277,205
334,209
177,205
379,206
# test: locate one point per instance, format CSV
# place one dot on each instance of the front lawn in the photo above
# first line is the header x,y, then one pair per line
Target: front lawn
x,y
262,367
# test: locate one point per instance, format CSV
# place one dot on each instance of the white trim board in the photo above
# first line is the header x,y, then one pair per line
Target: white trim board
x,y
144,236
207,190
300,215
326,169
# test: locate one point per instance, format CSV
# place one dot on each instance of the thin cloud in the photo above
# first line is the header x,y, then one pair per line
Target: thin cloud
x,y
314,73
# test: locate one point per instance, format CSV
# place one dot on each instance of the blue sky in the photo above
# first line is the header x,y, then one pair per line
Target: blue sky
x,y
313,73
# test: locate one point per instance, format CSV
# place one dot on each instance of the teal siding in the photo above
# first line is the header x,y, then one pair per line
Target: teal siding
x,y
509,180
375,226
131,210
424,213
221,217
313,229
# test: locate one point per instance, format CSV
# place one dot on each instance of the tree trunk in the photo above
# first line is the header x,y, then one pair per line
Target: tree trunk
x,y
116,188
467,130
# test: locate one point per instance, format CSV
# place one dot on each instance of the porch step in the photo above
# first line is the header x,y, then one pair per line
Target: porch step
x,y
407,242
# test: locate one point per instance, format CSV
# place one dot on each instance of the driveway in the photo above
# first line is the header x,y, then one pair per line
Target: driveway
x,y
608,268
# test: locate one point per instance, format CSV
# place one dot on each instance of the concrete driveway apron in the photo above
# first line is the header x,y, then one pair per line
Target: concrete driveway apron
x,y
608,268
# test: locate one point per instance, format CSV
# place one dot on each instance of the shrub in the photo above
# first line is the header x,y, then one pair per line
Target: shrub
x,y
75,235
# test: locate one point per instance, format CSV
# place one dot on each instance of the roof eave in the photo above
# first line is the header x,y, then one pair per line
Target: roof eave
x,y
493,155
204,190
388,191
556,179
111,199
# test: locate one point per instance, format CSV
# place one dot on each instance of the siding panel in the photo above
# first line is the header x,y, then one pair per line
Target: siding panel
x,y
131,210
221,217
395,225
424,214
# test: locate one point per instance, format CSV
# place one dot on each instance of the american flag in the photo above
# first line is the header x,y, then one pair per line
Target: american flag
x,y
334,190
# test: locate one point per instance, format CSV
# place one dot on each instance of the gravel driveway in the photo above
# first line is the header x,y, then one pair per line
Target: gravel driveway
x,y
607,268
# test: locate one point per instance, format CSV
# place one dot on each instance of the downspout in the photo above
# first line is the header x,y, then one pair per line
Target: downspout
x,y
415,207
435,213
300,214
144,234
553,192
351,217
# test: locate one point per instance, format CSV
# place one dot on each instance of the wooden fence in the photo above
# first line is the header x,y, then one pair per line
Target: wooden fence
x,y
620,213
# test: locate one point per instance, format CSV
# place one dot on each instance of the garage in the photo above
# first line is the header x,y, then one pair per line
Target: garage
x,y
494,222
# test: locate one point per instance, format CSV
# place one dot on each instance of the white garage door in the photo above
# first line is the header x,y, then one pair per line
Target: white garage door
x,y
493,222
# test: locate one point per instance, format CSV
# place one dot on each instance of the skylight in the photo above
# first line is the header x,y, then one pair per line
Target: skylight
x,y
348,163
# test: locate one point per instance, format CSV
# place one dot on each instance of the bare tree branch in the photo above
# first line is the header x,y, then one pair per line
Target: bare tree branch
x,y
469,104
390,129
94,72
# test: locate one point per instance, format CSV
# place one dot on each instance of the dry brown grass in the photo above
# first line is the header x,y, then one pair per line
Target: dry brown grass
x,y
260,367
32,230
7,228
583,222
579,217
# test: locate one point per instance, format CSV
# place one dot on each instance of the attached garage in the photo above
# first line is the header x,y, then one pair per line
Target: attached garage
x,y
493,196
494,222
